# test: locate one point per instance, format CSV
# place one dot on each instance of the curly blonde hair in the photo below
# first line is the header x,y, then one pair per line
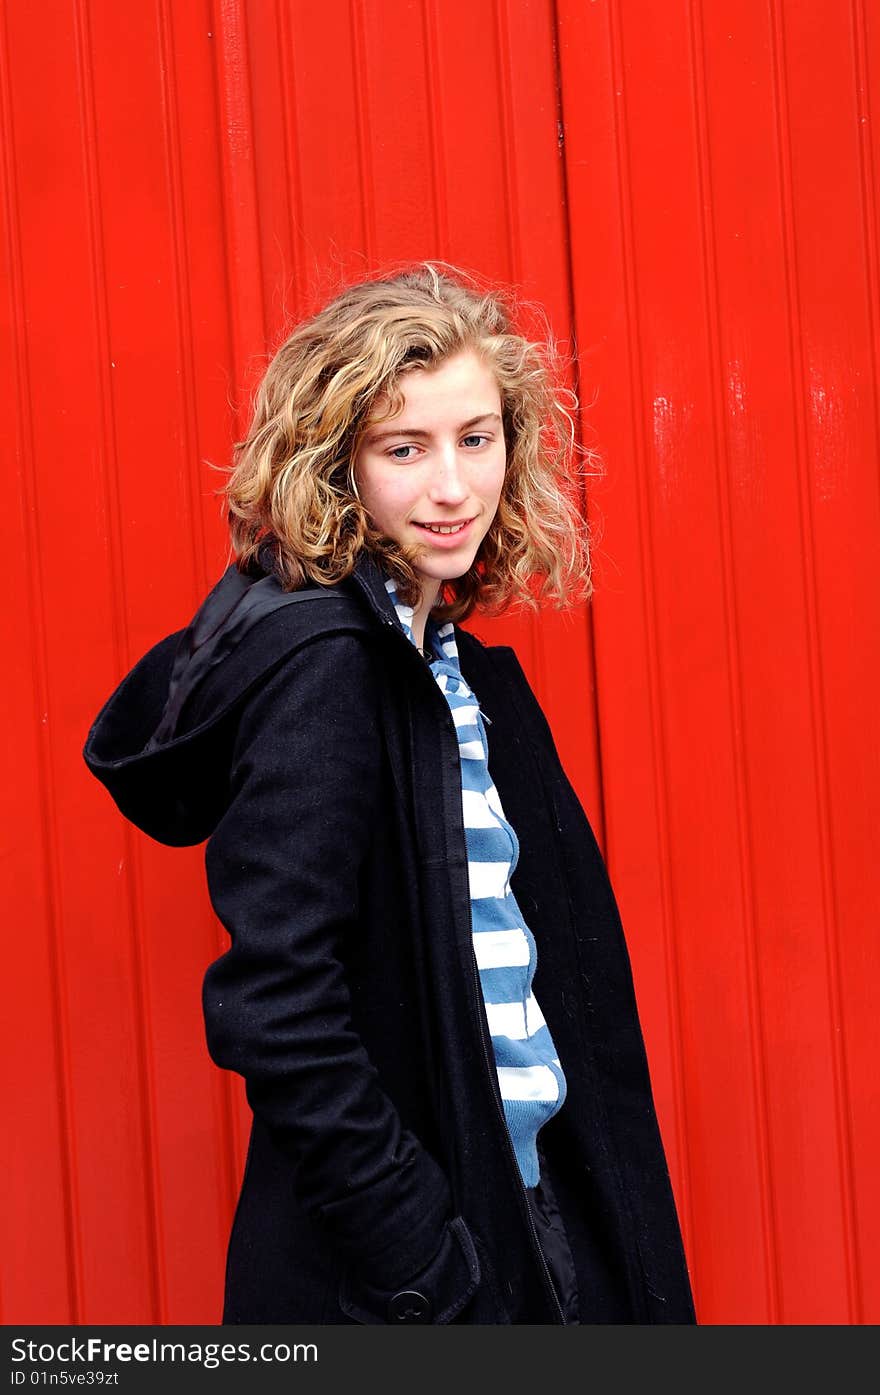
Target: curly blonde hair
x,y
291,495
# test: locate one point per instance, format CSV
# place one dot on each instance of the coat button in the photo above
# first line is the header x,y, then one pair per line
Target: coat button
x,y
409,1306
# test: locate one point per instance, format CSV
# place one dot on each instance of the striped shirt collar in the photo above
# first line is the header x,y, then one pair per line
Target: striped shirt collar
x,y
440,639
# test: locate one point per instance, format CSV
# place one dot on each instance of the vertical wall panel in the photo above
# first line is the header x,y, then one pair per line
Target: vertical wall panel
x,y
31,1219
689,189
835,248
721,269
71,441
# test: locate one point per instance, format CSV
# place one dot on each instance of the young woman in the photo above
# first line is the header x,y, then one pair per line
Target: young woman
x,y
427,990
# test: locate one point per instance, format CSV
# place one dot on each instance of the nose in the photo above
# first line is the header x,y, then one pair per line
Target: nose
x,y
448,484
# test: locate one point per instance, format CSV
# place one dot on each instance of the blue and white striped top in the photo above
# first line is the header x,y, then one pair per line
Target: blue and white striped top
x,y
529,1073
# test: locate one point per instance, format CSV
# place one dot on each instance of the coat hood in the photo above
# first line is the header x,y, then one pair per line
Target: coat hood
x,y
162,741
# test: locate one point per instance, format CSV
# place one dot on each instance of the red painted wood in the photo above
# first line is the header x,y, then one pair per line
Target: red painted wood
x,y
718,289
690,192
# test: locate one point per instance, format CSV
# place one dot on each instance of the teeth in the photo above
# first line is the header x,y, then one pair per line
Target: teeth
x,y
443,527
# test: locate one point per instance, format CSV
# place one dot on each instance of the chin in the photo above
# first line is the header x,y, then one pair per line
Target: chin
x,y
450,570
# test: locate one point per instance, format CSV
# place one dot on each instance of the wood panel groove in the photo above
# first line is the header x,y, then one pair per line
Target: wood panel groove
x,y
868,193
433,117
109,469
645,551
756,1027
58,1089
818,718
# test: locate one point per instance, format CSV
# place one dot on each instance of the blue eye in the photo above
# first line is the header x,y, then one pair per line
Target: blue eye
x,y
473,441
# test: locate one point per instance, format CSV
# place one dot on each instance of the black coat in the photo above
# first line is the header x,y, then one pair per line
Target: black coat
x,y
311,746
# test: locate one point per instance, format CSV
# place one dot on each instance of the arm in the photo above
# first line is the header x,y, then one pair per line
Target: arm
x,y
283,866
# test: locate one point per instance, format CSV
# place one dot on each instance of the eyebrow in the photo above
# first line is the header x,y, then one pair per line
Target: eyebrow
x,y
415,431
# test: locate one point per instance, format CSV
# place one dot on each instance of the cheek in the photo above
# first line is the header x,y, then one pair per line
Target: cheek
x,y
385,498
493,490
368,481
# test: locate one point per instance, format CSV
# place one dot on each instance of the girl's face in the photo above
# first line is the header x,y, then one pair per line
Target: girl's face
x,y
438,465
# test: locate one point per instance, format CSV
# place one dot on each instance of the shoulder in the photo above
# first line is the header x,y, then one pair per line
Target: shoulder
x,y
319,706
495,673
264,636
341,667
475,646
497,662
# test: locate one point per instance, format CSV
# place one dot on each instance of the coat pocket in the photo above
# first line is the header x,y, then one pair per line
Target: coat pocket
x,y
435,1295
487,1308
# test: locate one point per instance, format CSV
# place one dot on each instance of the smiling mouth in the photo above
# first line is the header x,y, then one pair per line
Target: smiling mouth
x,y
445,528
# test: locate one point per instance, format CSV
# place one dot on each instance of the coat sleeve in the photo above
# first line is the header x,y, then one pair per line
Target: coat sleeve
x,y
283,867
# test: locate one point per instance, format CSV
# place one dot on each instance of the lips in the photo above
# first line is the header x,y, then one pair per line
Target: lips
x,y
445,530
447,542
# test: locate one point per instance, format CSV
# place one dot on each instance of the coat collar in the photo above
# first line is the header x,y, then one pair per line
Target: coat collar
x,y
367,580
369,577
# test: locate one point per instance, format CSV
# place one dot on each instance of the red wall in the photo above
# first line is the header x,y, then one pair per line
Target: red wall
x,y
690,190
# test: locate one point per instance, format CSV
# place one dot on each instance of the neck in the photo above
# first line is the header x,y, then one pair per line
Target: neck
x,y
430,592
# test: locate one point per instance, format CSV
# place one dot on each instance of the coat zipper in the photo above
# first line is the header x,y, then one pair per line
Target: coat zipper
x,y
549,1286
